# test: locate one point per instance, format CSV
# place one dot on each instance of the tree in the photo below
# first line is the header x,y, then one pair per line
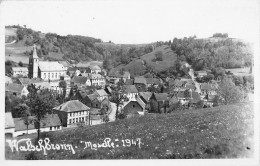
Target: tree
x,y
200,104
63,85
118,97
187,93
159,55
20,64
27,119
229,91
40,102
19,110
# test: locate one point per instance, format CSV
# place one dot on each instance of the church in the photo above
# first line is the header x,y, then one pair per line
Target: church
x,y
46,70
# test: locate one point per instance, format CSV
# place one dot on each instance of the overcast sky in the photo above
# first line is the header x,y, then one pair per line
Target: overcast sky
x,y
137,22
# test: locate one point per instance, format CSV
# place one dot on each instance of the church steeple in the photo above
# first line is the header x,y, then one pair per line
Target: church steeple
x,y
34,55
33,64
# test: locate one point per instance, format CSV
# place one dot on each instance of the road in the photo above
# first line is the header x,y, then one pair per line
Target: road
x,y
112,115
197,85
10,42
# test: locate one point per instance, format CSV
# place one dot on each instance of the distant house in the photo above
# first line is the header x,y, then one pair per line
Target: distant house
x,y
201,73
95,69
161,99
140,83
145,97
81,81
101,94
97,80
94,101
176,84
152,81
134,108
50,122
9,125
8,80
209,100
43,85
19,71
129,82
115,76
190,86
131,92
16,90
28,81
66,64
72,112
193,97
71,71
208,89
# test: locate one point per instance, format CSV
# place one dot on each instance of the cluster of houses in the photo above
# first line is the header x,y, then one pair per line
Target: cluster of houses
x,y
88,106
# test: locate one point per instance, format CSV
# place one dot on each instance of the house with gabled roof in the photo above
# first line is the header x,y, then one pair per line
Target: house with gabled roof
x,y
140,83
131,92
72,112
152,81
97,80
207,88
16,90
19,71
95,69
81,81
9,125
101,94
114,76
134,107
51,122
161,99
201,73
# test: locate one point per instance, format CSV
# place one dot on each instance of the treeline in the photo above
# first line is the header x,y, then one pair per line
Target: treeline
x,y
203,54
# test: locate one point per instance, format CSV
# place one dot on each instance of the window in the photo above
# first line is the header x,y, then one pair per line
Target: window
x,y
51,128
44,75
82,118
52,75
48,75
56,75
133,106
96,105
73,120
70,121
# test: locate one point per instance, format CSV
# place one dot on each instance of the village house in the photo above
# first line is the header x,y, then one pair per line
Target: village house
x,y
101,94
94,69
8,80
97,80
132,108
72,112
50,122
16,90
162,101
19,71
192,98
131,92
71,71
28,81
140,84
115,76
65,64
9,125
95,101
152,81
208,89
201,73
95,116
145,97
80,81
129,82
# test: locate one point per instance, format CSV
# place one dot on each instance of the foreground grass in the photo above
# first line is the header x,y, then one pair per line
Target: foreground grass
x,y
220,132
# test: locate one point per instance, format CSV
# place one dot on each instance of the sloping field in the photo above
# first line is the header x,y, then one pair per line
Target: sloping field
x,y
168,58
219,132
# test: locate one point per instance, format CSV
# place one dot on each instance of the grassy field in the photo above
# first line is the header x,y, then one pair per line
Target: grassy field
x,y
220,132
168,58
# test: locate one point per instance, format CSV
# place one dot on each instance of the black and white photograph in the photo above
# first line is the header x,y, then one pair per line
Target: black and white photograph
x,y
153,82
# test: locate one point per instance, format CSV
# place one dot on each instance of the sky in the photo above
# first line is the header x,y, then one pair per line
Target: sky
x,y
133,22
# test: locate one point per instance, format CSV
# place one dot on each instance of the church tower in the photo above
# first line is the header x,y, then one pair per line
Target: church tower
x,y
33,64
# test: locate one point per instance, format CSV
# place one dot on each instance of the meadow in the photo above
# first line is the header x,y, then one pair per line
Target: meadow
x,y
219,132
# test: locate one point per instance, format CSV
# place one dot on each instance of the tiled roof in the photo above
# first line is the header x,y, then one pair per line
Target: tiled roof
x,y
173,100
92,96
27,81
43,85
64,63
20,69
9,122
101,92
161,96
129,81
117,74
14,87
94,67
72,69
145,95
50,66
82,65
205,86
140,80
79,79
49,120
8,79
96,76
131,89
72,106
152,81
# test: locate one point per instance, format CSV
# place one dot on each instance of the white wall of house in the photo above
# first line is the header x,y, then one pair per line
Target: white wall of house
x,y
10,130
55,75
46,129
23,73
75,117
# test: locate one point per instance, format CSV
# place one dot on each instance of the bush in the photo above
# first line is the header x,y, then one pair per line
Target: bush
x,y
159,56
20,64
121,116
